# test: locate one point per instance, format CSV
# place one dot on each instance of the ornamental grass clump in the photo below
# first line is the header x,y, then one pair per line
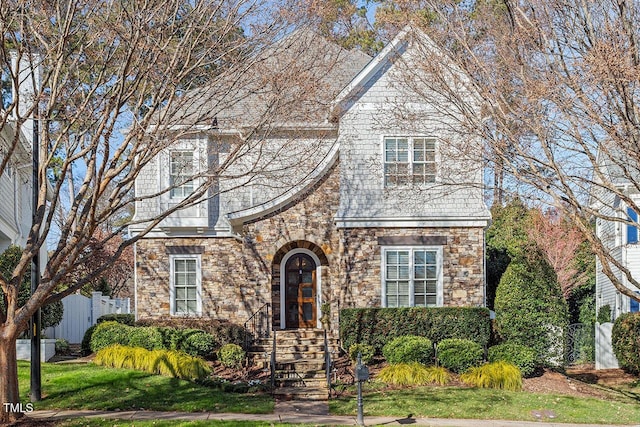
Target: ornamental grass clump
x,y
163,362
500,375
522,356
414,373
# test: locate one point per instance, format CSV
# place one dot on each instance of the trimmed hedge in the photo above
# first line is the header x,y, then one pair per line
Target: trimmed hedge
x,y
367,352
376,326
108,333
625,337
127,319
520,355
458,355
407,349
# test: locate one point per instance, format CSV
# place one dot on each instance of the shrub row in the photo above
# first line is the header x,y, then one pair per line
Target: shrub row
x,y
376,326
191,341
625,338
163,362
223,332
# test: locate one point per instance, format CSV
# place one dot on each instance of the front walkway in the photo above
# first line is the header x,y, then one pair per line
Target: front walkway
x,y
297,417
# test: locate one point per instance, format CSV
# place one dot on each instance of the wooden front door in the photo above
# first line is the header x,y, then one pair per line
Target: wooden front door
x,y
300,292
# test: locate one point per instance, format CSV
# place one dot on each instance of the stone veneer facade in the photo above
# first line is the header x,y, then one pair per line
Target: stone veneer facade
x,y
239,275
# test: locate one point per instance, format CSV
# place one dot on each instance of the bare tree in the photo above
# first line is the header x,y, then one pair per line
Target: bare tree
x,y
557,83
117,86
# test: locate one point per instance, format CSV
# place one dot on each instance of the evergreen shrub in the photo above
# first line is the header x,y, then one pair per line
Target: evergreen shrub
x,y
85,345
107,333
377,326
520,355
604,314
500,375
414,373
530,308
625,337
127,319
146,337
163,362
367,351
407,349
458,355
223,332
199,343
231,356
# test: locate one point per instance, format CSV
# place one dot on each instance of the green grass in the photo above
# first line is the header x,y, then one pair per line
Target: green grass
x,y
81,386
93,422
456,402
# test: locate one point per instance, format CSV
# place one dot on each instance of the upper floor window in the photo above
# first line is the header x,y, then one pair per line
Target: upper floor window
x,y
409,161
412,277
181,173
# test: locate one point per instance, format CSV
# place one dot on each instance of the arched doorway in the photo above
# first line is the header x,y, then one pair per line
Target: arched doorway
x,y
299,292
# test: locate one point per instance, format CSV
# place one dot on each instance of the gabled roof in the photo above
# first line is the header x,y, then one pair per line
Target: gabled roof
x,y
291,83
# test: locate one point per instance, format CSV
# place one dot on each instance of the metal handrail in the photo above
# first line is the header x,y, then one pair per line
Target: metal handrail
x,y
327,360
273,362
258,325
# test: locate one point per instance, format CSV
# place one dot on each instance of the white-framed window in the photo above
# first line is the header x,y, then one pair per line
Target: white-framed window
x,y
181,169
412,276
409,161
185,285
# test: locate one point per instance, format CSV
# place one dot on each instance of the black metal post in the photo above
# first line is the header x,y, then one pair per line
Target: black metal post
x,y
36,379
359,366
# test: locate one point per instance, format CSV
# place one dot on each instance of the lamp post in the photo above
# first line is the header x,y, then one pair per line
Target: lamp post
x,y
362,374
36,379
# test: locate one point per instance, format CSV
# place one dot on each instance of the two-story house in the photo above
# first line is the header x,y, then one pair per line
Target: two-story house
x,y
616,201
361,195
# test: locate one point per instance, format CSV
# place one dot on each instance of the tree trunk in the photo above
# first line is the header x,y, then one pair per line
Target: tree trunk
x,y
9,395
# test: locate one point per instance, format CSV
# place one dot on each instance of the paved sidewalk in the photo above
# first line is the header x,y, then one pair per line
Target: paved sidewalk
x,y
296,417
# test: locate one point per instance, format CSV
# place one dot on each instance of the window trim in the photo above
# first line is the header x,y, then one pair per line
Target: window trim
x,y
172,287
410,160
191,182
439,275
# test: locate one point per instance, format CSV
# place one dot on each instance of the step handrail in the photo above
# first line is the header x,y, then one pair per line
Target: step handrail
x,y
272,363
257,326
327,360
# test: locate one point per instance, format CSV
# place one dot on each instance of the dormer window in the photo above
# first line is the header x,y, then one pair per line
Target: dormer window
x,y
409,161
180,174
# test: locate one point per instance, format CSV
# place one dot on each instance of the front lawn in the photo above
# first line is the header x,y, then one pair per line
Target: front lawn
x,y
87,386
93,422
470,403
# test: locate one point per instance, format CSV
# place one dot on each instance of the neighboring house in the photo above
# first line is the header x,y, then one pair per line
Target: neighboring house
x,y
16,180
366,196
621,241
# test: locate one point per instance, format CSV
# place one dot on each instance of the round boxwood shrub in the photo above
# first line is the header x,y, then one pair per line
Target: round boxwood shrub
x,y
625,337
148,337
199,343
407,349
367,351
520,355
107,333
231,356
85,346
458,355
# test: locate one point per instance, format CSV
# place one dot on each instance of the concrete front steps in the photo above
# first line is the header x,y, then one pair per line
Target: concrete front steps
x,y
300,372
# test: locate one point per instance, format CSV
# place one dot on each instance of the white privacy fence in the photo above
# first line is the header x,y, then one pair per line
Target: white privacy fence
x,y
605,359
81,312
